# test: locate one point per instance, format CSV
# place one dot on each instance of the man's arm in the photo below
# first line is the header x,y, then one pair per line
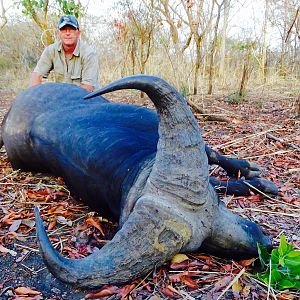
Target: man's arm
x,y
43,67
35,79
88,87
90,71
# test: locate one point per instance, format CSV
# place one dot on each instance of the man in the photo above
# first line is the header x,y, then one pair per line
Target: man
x,y
71,60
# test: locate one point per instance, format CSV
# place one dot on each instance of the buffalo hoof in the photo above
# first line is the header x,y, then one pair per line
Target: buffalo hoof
x,y
243,168
263,185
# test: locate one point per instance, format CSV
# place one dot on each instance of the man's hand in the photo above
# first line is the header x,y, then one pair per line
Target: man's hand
x,y
88,87
35,79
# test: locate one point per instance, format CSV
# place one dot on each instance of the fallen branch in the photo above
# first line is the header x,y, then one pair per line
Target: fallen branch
x,y
207,117
272,137
296,216
242,138
259,191
293,170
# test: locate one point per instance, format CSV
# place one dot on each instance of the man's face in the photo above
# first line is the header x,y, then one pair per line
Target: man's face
x,y
69,35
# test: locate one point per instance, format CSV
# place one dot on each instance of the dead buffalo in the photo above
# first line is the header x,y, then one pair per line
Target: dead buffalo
x,y
148,170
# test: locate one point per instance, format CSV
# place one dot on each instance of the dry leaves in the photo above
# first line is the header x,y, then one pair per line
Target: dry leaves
x,y
78,233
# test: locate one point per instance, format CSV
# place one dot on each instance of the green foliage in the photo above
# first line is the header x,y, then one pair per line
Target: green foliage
x,y
235,98
259,104
244,46
281,267
69,7
30,5
184,90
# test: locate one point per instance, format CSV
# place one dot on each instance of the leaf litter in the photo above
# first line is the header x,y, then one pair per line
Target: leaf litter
x,y
270,136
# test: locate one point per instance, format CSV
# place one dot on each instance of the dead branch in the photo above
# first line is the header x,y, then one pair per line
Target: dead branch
x,y
272,137
298,107
3,17
206,116
290,29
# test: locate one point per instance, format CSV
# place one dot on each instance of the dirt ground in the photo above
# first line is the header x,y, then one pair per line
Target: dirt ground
x,y
263,129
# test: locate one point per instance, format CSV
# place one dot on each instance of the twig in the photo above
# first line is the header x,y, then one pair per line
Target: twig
x,y
269,284
267,196
272,137
209,117
272,212
235,279
290,29
268,154
294,170
26,247
261,283
9,175
256,189
243,138
66,225
139,284
270,289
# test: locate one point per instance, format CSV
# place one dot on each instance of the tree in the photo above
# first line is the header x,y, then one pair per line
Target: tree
x,y
247,48
194,20
134,34
39,12
213,49
264,41
3,18
282,12
223,39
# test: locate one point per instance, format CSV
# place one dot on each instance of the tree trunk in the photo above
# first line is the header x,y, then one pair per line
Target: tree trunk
x,y
3,17
223,41
213,51
246,71
298,107
264,43
197,68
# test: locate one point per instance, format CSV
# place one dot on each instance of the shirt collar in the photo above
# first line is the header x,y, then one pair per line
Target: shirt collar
x,y
76,51
58,46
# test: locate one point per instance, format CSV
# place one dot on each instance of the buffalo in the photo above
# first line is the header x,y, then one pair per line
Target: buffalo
x,y
146,169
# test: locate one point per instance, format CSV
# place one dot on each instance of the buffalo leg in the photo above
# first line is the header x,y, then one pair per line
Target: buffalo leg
x,y
232,166
241,188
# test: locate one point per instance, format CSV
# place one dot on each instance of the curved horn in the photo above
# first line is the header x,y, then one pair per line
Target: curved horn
x,y
143,242
181,166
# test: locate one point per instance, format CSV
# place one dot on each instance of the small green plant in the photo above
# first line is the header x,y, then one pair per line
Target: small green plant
x,y
235,98
184,90
281,267
259,104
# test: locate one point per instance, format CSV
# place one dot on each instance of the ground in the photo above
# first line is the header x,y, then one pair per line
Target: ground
x,y
264,128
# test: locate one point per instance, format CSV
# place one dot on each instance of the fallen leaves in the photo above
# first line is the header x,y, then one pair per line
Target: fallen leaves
x,y
22,293
6,250
112,290
95,223
78,233
26,291
105,291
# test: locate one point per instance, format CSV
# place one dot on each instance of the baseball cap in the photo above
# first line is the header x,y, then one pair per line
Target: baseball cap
x,y
67,20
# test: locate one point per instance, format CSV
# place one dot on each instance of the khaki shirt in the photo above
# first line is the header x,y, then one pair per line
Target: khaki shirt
x,y
81,68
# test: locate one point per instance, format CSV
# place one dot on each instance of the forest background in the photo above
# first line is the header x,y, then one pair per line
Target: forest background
x,y
200,46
